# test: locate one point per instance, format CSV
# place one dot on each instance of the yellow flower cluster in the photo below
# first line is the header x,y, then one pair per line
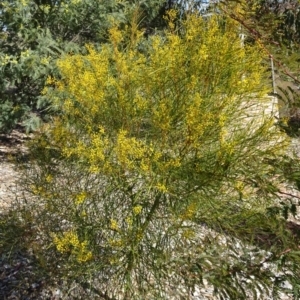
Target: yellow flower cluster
x,y
131,93
188,233
25,53
45,8
128,150
49,178
116,36
4,60
129,222
40,190
189,212
116,243
114,225
45,60
170,17
161,187
239,186
80,198
137,209
69,243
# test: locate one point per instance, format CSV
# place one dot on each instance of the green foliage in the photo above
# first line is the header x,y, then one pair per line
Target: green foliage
x,y
22,76
280,22
157,173
275,25
35,34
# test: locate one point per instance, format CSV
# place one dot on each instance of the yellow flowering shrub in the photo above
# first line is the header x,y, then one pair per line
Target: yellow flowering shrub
x,y
151,143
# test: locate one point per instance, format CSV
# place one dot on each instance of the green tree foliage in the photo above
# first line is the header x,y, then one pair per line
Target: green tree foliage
x,y
35,33
158,172
276,25
286,48
284,42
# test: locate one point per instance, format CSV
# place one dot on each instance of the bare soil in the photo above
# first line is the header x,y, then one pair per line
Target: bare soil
x,y
12,147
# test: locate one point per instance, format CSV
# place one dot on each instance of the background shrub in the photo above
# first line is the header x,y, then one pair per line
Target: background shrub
x,y
34,34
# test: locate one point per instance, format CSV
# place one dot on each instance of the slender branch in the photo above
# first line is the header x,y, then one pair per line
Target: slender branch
x,y
288,194
151,213
273,75
257,36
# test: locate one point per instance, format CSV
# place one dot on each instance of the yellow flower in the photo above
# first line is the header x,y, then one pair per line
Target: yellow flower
x,y
188,233
189,212
50,80
114,225
137,210
116,243
239,186
80,198
69,242
128,150
129,221
162,188
49,178
25,53
45,61
116,35
37,190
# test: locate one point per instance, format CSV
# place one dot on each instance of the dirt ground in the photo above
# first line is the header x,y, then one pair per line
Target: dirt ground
x,y
12,146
